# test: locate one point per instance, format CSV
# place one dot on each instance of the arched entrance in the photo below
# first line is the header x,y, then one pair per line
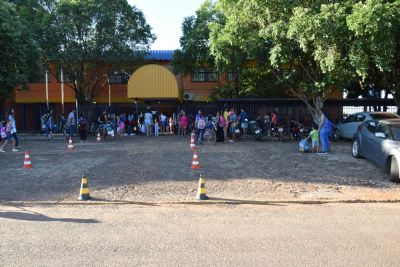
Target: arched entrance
x,y
155,86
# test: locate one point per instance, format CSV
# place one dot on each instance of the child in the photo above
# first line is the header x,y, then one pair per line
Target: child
x,y
5,133
156,127
82,128
120,127
314,135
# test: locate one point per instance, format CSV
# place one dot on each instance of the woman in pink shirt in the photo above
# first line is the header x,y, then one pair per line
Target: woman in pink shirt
x,y
184,123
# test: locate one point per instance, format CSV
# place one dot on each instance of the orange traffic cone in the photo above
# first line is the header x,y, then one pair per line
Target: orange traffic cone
x,y
195,162
27,161
98,139
70,145
192,143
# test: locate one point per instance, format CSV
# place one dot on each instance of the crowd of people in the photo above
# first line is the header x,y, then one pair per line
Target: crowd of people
x,y
226,124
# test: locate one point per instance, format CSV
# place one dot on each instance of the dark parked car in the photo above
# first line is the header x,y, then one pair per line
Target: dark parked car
x,y
379,141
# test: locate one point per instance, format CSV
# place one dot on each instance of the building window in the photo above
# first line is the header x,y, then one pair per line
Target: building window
x,y
205,75
121,77
231,76
66,76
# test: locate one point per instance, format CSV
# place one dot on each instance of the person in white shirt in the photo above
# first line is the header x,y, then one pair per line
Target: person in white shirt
x,y
13,129
148,118
71,124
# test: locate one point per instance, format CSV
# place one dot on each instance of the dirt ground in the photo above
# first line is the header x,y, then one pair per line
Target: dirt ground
x,y
158,169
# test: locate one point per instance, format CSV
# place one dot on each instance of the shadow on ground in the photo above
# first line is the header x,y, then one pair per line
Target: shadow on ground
x,y
27,215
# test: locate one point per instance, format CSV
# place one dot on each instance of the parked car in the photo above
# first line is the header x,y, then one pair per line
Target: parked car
x,y
378,141
348,127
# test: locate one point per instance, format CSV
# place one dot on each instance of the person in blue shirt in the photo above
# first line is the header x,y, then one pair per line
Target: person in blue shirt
x,y
243,121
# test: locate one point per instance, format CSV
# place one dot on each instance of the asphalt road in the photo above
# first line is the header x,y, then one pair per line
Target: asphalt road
x,y
201,235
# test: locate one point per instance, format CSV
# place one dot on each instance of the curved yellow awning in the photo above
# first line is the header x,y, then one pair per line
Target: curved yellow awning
x,y
153,82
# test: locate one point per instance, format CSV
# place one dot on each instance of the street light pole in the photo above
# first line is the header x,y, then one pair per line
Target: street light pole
x,y
62,90
109,90
47,89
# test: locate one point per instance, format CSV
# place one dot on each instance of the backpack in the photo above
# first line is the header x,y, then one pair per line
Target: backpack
x,y
3,133
222,122
201,124
303,146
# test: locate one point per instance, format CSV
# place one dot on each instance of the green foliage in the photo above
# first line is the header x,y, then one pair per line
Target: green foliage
x,y
375,48
261,82
195,44
223,91
89,36
18,53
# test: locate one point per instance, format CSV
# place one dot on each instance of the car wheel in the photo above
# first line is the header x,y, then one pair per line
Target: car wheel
x,y
355,149
394,170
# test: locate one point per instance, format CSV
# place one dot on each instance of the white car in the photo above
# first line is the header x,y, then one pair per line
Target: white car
x,y
348,127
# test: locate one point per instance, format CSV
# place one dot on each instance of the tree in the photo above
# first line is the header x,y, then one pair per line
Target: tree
x,y
90,36
375,48
237,45
18,52
195,44
290,40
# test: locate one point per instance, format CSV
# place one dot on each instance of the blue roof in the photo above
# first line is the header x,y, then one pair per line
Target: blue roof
x,y
159,55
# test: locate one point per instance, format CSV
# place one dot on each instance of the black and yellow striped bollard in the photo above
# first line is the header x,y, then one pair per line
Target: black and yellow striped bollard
x,y
201,192
84,194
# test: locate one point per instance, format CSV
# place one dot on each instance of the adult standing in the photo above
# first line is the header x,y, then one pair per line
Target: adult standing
x,y
221,123
148,117
71,123
184,123
232,124
13,129
180,128
243,121
163,120
324,129
226,117
274,119
47,120
200,123
102,120
63,123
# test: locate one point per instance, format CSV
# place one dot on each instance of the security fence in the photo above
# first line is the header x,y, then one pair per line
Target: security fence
x,y
28,115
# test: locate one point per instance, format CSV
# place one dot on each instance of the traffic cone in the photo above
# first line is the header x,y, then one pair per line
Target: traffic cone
x,y
27,161
195,162
84,193
70,145
192,143
201,192
98,139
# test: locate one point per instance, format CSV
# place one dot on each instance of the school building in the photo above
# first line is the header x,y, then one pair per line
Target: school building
x,y
148,83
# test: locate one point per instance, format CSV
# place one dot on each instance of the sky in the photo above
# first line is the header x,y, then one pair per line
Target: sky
x,y
166,17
